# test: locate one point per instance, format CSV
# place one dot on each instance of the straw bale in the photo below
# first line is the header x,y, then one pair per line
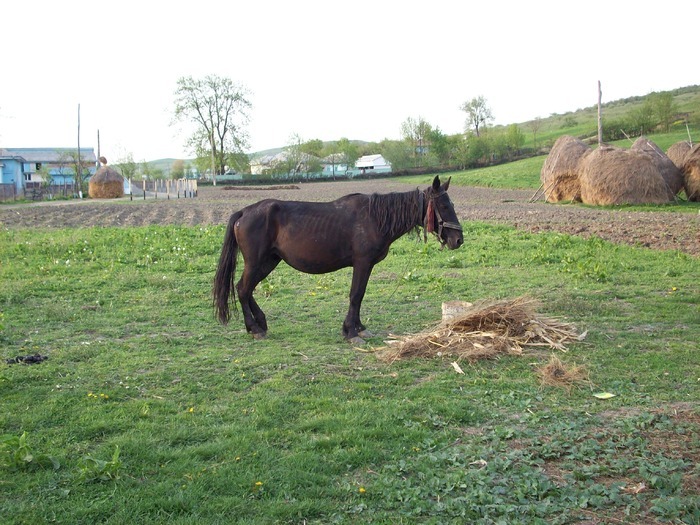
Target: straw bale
x,y
677,153
667,169
484,331
691,174
561,168
106,183
612,176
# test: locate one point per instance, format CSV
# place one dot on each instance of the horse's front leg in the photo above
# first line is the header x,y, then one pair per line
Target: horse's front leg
x,y
353,329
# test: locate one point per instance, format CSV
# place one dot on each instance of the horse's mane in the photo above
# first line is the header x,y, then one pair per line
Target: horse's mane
x,y
395,213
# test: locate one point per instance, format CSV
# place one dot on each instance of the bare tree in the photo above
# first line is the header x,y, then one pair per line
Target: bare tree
x,y
535,126
219,109
478,114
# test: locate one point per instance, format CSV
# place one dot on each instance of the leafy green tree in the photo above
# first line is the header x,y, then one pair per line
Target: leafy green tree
x,y
349,151
641,120
479,150
218,108
515,138
440,147
150,172
313,147
126,166
398,152
239,162
46,179
478,114
177,170
664,109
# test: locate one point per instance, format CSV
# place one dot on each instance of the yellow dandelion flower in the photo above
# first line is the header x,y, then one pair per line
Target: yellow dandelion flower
x,y
258,483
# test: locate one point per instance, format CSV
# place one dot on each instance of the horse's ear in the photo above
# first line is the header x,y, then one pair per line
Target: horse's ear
x,y
447,184
436,183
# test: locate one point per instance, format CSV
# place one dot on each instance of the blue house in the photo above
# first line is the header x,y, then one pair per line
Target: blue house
x,y
28,167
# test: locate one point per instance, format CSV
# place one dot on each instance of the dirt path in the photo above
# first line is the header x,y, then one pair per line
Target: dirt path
x,y
656,230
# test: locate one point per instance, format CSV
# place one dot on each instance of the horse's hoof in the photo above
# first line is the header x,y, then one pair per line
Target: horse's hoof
x,y
259,336
357,340
366,334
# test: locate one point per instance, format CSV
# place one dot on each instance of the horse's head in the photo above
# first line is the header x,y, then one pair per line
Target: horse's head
x,y
440,216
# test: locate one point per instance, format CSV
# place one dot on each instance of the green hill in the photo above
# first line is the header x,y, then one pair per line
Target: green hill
x,y
583,123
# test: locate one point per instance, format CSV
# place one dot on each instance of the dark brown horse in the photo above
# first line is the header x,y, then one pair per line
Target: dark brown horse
x,y
321,237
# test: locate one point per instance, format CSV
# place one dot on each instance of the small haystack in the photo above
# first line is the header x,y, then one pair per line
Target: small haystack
x,y
555,373
677,153
691,174
667,169
485,331
611,176
106,183
560,172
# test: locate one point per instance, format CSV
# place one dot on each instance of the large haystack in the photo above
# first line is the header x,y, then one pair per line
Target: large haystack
x,y
106,183
691,174
677,153
560,172
667,169
611,175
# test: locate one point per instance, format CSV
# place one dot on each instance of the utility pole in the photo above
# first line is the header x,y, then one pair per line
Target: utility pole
x,y
79,175
600,116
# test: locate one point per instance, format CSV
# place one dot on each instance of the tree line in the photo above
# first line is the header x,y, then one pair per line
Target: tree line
x,y
216,109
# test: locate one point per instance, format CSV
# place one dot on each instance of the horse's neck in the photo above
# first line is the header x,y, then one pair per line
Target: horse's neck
x,y
398,213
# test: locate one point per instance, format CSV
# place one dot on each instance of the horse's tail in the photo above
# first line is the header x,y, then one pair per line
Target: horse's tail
x,y
224,287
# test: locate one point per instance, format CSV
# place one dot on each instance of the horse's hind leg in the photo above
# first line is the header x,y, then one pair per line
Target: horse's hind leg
x,y
254,272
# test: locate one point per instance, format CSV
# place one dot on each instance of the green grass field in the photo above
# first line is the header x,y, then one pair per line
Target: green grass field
x,y
147,411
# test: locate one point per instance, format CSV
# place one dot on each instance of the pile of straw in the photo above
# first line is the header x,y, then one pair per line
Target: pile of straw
x,y
106,183
557,374
485,331
612,176
609,175
560,171
677,152
670,173
691,173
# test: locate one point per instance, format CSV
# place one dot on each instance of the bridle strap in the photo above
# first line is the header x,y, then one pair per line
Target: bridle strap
x,y
435,209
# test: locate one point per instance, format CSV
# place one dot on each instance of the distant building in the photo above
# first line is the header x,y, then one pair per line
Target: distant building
x,y
332,166
369,164
27,167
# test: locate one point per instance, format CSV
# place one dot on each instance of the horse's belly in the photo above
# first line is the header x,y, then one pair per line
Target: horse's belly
x,y
315,257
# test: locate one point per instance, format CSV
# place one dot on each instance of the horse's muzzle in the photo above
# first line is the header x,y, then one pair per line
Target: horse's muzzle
x,y
454,241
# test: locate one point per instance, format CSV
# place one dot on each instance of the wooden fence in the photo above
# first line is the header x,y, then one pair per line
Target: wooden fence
x,y
37,191
163,189
151,189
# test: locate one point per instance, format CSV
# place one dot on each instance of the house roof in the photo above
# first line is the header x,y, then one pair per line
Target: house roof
x,y
48,154
370,160
282,156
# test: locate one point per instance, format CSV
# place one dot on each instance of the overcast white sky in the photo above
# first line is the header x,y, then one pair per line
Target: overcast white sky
x,y
325,69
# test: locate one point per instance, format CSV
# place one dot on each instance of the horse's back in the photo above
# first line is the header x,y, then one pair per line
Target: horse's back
x,y
313,237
